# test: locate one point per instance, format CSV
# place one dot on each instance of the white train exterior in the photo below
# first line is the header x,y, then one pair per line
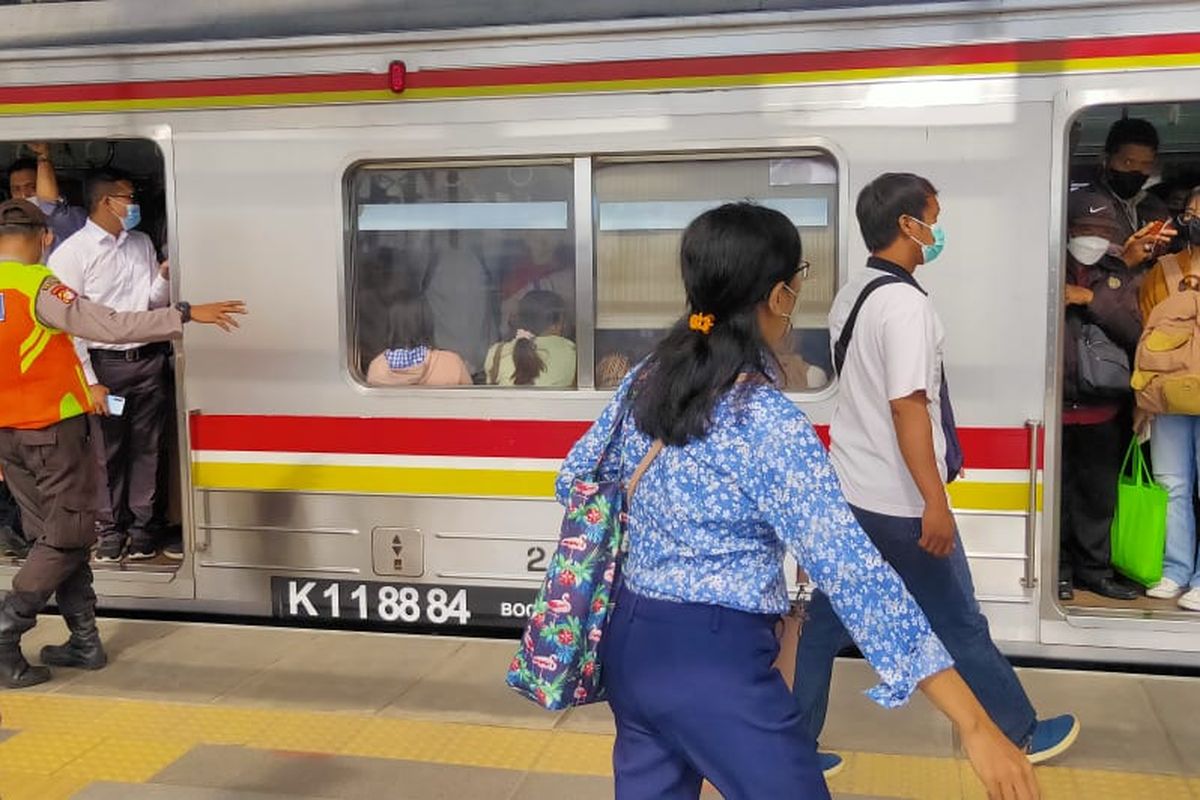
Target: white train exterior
x,y
433,506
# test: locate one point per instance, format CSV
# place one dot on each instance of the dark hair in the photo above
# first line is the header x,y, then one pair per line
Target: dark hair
x,y
103,183
883,201
731,258
410,322
537,312
20,165
1130,131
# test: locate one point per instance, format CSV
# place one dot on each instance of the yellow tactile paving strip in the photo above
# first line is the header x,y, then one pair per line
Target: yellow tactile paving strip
x,y
65,743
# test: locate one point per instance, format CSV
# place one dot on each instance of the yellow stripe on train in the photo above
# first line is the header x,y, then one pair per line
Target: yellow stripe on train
x,y
451,482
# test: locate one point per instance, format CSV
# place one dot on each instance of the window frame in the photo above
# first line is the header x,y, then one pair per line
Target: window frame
x,y
583,166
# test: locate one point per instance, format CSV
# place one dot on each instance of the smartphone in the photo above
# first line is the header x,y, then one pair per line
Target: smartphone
x,y
116,404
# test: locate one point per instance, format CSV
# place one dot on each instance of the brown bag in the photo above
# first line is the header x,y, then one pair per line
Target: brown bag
x,y
1166,376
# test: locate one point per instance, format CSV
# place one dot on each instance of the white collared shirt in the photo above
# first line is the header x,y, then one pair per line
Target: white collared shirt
x,y
120,272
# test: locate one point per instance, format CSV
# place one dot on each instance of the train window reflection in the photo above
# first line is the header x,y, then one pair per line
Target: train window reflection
x,y
463,275
642,209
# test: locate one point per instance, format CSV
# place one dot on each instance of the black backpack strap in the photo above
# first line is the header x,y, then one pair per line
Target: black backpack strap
x,y
842,345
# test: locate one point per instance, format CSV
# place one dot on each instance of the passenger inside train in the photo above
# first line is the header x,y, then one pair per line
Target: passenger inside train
x,y
411,358
537,354
1134,171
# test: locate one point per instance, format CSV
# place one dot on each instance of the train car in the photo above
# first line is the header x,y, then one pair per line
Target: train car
x,y
326,162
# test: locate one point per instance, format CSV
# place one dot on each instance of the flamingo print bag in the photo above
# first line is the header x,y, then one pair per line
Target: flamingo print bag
x,y
556,665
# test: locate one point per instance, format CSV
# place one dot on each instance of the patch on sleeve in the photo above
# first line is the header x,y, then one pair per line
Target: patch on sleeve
x,y
63,293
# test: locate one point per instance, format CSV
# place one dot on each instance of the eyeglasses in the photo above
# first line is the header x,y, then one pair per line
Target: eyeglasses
x,y
802,270
129,197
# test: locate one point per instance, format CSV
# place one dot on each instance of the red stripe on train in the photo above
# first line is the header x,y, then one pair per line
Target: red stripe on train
x,y
839,60
985,448
616,70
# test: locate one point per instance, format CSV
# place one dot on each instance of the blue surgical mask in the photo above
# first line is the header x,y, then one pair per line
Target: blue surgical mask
x,y
133,216
929,252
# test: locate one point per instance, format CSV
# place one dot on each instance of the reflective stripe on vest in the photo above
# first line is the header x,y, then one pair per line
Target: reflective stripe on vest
x,y
41,379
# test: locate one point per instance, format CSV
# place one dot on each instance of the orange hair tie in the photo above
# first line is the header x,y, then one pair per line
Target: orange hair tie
x,y
702,322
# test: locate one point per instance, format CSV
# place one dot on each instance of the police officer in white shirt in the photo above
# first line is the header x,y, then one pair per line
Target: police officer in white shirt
x,y
111,263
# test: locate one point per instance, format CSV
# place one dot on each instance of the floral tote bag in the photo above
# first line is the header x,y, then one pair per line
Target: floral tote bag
x,y
556,665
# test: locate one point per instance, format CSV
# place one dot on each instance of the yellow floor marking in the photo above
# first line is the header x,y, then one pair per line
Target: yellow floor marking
x,y
64,743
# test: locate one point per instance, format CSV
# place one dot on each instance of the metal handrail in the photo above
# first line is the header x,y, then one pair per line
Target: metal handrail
x,y
1029,579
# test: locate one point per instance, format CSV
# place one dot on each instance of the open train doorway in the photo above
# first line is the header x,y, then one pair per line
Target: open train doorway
x,y
1134,170
106,204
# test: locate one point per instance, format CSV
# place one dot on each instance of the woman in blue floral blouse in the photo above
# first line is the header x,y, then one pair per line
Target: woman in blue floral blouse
x,y
688,654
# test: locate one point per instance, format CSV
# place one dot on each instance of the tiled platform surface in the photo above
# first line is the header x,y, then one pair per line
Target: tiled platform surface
x,y
202,712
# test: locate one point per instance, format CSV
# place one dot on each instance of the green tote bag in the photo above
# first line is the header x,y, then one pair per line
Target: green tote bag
x,y
1139,526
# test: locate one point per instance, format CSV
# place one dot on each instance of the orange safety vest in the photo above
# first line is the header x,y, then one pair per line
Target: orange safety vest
x,y
41,380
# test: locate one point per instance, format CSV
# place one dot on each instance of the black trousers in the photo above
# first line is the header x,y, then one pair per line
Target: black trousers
x,y
10,515
1091,461
128,447
53,477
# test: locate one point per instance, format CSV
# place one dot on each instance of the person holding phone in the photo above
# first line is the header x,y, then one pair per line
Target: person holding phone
x,y
45,448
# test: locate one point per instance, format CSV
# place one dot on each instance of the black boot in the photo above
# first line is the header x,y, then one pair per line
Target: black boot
x,y
83,650
15,671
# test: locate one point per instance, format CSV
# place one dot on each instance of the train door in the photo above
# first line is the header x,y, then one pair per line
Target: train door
x,y
83,185
1127,165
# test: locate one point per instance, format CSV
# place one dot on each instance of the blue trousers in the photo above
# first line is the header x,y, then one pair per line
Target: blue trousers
x,y
695,696
945,592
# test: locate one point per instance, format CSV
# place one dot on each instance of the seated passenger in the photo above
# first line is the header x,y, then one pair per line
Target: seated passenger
x,y
611,370
1173,437
411,359
538,354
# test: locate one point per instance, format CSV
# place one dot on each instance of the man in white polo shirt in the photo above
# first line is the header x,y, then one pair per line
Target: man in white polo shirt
x,y
894,447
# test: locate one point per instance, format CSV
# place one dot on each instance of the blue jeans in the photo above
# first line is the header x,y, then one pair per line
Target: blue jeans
x,y
945,592
695,695
1174,451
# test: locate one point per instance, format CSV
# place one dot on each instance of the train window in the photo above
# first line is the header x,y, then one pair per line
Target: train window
x,y
643,207
463,275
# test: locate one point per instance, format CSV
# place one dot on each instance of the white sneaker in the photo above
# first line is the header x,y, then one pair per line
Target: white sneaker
x,y
1166,589
1191,600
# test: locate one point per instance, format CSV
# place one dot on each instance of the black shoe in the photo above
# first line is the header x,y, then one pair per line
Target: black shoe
x,y
16,672
83,650
1107,587
110,549
141,550
1065,591
16,617
13,544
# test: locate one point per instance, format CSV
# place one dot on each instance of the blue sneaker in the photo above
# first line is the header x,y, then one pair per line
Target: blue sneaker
x,y
1051,737
831,764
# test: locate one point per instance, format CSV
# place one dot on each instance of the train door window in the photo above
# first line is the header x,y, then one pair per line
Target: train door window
x,y
643,207
463,274
1131,168
143,532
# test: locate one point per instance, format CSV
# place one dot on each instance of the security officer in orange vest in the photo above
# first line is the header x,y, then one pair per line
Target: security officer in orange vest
x,y
45,454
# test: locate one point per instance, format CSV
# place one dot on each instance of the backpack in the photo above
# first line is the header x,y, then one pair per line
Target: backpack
x,y
1166,377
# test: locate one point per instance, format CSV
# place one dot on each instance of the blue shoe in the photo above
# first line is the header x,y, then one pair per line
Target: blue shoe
x,y
831,764
1051,737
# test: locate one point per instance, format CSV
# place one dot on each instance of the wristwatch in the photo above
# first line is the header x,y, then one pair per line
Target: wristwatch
x,y
185,310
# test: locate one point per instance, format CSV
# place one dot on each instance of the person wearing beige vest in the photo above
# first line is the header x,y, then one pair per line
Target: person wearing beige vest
x,y
1175,429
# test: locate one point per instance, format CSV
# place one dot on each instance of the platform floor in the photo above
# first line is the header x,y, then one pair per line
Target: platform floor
x,y
205,712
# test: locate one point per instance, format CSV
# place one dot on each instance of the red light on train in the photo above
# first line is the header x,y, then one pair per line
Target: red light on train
x,y
397,76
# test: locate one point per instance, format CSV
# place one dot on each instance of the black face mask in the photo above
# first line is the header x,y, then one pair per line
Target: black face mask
x,y
1189,230
1126,185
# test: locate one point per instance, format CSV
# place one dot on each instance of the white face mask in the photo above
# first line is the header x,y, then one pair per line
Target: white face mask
x,y
1087,250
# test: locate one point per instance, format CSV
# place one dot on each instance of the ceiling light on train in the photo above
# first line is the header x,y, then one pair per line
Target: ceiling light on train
x,y
397,76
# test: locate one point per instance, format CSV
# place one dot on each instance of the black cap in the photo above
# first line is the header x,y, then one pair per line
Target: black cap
x,y
21,212
1090,206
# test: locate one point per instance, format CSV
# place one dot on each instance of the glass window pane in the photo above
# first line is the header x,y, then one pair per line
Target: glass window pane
x,y
463,275
642,209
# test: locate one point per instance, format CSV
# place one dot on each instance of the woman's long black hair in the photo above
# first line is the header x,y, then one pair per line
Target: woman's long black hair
x,y
731,258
